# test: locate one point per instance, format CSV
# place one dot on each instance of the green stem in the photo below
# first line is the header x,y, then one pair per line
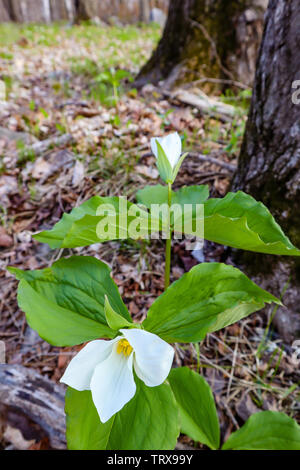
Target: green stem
x,y
169,240
115,93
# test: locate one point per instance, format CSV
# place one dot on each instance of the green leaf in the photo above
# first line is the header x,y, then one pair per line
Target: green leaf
x,y
266,430
177,166
188,197
84,429
208,298
114,320
191,195
158,194
149,421
55,237
65,303
199,419
81,227
163,164
238,220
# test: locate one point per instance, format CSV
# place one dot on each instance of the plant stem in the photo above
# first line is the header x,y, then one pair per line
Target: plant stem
x,y
115,93
169,241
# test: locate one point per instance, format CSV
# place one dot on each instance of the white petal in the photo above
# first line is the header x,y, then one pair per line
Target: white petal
x,y
172,147
113,384
79,372
154,145
153,357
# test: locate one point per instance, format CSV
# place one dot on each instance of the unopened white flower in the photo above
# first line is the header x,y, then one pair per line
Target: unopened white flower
x,y
171,145
106,368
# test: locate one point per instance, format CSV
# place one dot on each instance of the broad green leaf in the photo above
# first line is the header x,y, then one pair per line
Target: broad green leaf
x,y
55,237
208,298
199,419
163,164
238,220
65,303
149,421
114,320
191,195
158,194
266,430
185,206
84,429
100,219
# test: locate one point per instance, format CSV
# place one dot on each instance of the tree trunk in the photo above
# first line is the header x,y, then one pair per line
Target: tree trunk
x,y
207,39
80,11
4,11
62,10
269,163
144,11
55,10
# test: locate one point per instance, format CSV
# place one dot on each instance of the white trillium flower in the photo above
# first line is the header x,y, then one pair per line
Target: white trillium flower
x,y
171,145
106,368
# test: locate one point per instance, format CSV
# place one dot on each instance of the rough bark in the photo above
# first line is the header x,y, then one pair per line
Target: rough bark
x,y
269,163
28,11
4,11
207,39
26,393
62,10
144,11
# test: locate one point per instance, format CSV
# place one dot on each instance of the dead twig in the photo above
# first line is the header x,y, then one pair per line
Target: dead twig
x,y
40,147
217,81
215,161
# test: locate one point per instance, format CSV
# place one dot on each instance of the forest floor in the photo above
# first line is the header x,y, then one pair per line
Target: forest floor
x,y
73,85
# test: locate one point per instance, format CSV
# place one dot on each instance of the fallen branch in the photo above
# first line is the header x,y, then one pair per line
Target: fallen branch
x,y
36,397
205,104
41,147
222,81
215,161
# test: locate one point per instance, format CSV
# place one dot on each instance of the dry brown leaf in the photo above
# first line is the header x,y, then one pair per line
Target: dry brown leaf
x,y
15,437
5,239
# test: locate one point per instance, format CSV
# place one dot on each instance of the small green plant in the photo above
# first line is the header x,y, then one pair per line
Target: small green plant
x,y
9,34
241,99
164,117
84,66
34,121
25,154
61,128
109,85
6,56
236,133
8,83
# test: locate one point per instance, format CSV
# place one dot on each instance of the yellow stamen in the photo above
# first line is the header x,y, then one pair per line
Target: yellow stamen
x,y
124,347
